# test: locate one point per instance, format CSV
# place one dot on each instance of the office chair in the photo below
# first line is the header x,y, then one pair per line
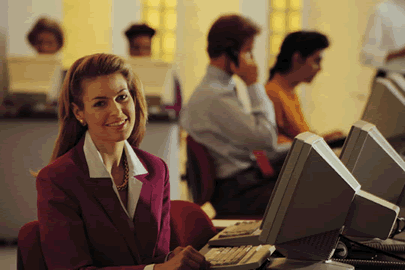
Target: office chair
x,y
200,172
29,252
201,176
178,102
190,225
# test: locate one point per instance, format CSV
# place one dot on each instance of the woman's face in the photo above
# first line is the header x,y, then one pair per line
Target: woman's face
x,y
109,109
46,43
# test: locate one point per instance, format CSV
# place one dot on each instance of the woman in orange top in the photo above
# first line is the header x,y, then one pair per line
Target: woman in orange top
x,y
299,61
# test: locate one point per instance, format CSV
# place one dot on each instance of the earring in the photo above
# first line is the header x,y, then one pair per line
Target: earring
x,y
82,122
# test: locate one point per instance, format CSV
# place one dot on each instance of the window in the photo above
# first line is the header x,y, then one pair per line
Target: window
x,y
162,16
285,17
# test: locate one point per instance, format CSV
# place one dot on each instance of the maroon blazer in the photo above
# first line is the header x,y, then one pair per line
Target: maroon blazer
x,y
83,226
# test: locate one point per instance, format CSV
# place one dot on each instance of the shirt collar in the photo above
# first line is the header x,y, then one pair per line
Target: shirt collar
x,y
95,163
222,76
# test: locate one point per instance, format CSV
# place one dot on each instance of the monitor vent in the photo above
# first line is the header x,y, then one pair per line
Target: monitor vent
x,y
315,247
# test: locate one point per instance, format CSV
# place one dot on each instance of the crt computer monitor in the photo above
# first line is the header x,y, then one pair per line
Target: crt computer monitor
x,y
316,199
156,77
398,79
385,108
34,78
375,164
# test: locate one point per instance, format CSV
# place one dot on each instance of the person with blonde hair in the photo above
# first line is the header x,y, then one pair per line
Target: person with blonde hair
x,y
103,202
46,36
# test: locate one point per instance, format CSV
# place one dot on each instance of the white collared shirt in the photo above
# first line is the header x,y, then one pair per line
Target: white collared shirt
x,y
385,33
215,117
97,169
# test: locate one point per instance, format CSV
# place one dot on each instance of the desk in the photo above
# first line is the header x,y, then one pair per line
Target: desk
x,y
28,143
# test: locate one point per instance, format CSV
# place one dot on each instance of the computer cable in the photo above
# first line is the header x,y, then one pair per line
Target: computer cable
x,y
398,228
366,264
374,263
377,250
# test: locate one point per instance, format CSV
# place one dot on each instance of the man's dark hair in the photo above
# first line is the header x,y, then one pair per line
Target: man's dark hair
x,y
46,24
139,30
305,43
230,31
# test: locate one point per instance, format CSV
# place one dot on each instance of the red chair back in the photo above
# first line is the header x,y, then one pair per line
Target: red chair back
x,y
29,253
190,225
178,102
200,172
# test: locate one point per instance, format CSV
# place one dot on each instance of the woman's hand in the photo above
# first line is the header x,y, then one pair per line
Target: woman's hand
x,y
184,258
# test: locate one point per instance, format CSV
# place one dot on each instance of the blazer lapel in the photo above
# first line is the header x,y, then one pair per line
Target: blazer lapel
x,y
145,219
105,195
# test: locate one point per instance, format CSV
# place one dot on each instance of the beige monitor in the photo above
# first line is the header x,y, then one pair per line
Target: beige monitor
x,y
315,199
386,109
310,202
156,77
34,76
398,80
375,164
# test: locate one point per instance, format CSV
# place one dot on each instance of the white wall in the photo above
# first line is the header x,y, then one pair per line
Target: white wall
x,y
124,13
22,16
336,98
259,13
195,18
3,46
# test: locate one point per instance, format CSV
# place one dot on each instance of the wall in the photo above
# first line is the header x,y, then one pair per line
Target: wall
x,y
195,18
22,15
124,13
337,96
3,46
88,28
259,14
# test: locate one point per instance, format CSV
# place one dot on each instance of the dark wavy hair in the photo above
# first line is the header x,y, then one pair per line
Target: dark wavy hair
x,y
304,42
46,24
230,31
138,30
92,66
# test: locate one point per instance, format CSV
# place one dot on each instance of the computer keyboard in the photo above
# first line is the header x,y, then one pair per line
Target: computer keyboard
x,y
238,258
241,228
241,233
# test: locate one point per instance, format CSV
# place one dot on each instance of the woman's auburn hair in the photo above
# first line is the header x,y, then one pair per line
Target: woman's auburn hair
x,y
90,67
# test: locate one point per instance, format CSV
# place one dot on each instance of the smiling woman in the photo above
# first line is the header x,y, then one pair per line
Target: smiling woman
x,y
108,109
102,201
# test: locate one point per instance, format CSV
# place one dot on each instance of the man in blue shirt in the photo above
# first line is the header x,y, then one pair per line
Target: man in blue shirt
x,y
215,118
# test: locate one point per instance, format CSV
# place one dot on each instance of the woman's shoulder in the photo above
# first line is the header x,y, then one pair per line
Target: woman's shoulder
x,y
147,157
272,89
63,167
